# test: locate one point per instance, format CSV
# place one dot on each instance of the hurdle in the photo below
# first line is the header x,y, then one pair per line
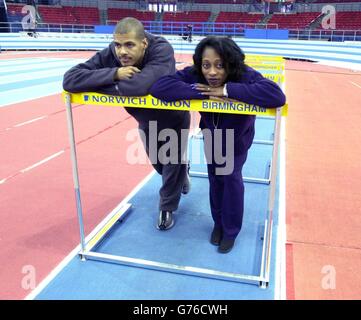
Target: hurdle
x,y
87,251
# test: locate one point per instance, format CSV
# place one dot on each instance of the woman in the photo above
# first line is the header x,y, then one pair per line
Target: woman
x,y
219,72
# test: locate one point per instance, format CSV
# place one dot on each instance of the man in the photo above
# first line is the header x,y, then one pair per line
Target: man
x,y
128,67
189,32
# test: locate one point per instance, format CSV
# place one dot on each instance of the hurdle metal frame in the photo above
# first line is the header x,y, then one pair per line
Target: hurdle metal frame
x,y
267,180
118,215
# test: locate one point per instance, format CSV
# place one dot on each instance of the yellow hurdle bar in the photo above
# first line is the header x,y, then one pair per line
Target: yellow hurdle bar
x,y
149,102
264,57
279,78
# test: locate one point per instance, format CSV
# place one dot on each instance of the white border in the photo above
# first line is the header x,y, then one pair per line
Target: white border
x,y
280,264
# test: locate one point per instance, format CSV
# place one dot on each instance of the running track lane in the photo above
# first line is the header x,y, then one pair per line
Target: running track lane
x,y
323,174
39,205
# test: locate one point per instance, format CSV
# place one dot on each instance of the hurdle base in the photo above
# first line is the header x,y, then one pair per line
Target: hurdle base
x,y
178,269
119,215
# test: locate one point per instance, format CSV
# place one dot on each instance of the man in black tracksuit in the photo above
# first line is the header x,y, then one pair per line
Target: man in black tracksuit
x,y
128,67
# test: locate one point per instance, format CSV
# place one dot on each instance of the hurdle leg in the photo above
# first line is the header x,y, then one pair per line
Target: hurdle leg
x,y
267,244
75,172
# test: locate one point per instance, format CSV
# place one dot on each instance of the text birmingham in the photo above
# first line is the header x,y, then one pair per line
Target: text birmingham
x,y
144,102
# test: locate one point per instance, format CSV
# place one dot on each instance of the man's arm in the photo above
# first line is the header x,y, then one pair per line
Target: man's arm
x,y
93,75
161,62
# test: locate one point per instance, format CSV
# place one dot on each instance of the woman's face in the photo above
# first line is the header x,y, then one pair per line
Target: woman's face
x,y
213,68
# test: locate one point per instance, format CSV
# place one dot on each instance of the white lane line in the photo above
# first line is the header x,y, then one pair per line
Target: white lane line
x,y
280,264
27,122
281,289
36,75
355,84
50,64
35,119
32,166
15,96
42,161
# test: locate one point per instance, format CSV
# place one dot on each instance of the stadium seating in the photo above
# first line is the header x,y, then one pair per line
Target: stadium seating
x,y
225,1
191,16
238,17
196,18
50,14
294,21
60,15
14,9
115,15
335,1
83,15
348,20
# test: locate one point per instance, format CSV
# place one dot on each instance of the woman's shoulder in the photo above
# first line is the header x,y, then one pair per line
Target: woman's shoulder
x,y
188,69
250,73
250,70
189,73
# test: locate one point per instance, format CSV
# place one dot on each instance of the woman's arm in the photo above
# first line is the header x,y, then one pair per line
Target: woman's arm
x,y
255,89
179,86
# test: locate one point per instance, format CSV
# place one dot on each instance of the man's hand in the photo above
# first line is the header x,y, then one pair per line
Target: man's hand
x,y
208,90
125,72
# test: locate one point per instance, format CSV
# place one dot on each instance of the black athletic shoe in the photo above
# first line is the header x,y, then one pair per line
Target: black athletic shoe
x,y
187,181
216,236
165,220
226,245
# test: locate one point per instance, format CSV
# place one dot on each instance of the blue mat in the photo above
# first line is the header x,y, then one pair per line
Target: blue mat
x,y
187,244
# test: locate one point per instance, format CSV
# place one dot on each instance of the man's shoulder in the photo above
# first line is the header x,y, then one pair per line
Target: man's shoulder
x,y
106,56
156,41
106,51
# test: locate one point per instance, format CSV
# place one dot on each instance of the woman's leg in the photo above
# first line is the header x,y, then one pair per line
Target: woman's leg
x,y
215,195
233,199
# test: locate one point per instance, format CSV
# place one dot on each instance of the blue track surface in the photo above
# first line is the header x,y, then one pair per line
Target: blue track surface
x,y
187,244
39,86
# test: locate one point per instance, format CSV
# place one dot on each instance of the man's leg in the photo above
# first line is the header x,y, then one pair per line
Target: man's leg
x,y
145,140
174,175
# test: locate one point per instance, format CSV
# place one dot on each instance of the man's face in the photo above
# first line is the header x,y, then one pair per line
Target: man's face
x,y
129,49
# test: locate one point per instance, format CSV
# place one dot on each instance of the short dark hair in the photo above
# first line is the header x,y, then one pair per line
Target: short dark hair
x,y
130,24
231,54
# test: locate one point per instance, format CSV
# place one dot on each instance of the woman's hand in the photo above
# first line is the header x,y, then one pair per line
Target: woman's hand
x,y
208,90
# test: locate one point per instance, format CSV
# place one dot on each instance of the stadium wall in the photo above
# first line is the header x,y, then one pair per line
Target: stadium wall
x,y
298,49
